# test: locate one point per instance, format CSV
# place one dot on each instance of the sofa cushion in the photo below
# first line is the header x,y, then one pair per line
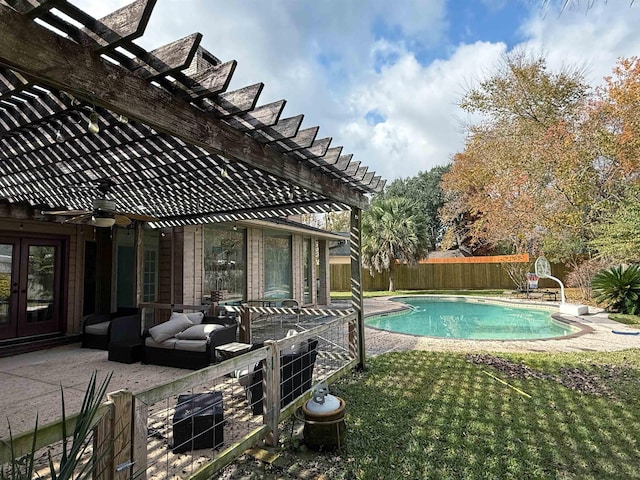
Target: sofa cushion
x,y
98,328
191,345
176,323
168,344
198,332
195,317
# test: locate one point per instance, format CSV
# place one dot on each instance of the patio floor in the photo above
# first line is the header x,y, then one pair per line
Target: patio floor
x,y
30,383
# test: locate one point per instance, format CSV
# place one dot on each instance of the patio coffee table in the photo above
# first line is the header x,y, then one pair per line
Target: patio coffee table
x,y
233,349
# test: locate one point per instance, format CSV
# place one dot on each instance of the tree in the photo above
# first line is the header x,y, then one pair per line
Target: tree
x,y
617,238
391,234
523,177
425,192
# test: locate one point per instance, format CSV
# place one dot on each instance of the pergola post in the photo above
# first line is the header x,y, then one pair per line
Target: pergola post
x,y
356,284
324,293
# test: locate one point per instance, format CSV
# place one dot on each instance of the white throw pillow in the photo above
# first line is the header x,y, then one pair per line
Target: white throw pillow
x,y
195,317
198,332
177,323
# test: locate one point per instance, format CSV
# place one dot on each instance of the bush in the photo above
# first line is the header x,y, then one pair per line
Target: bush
x,y
581,276
618,289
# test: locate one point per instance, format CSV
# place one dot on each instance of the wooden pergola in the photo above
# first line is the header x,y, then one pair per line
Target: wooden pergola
x,y
173,142
176,144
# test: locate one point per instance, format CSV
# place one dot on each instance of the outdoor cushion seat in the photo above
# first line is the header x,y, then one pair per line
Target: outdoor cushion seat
x,y
191,345
168,344
101,328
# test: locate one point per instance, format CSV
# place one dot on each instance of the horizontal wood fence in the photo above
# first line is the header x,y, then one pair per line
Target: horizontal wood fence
x,y
444,276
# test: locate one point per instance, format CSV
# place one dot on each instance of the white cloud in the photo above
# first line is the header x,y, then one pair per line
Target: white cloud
x,y
592,39
323,57
419,104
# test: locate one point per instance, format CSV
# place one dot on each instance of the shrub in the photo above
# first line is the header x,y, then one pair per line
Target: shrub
x,y
618,289
581,276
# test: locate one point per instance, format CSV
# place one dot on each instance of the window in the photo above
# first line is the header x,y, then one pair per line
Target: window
x,y
150,266
277,265
307,258
225,264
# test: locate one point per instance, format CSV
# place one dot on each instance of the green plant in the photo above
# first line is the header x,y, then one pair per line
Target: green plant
x,y
618,289
72,465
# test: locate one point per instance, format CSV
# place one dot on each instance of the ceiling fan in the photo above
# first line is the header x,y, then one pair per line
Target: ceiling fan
x,y
104,213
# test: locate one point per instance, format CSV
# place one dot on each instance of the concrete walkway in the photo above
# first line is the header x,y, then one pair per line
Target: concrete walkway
x,y
30,383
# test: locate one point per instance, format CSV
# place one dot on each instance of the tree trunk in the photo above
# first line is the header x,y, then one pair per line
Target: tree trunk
x,y
392,276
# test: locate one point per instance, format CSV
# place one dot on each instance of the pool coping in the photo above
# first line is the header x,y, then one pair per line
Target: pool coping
x,y
570,320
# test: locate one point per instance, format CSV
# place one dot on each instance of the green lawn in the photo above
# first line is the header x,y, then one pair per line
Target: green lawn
x,y
633,320
421,415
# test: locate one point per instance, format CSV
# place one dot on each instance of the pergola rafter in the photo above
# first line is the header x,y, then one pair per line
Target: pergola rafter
x,y
175,142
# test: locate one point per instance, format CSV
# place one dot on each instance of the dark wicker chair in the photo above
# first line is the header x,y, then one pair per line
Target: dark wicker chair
x,y
296,372
100,329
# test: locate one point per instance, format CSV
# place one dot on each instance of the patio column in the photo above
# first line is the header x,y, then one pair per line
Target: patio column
x,y
104,260
355,238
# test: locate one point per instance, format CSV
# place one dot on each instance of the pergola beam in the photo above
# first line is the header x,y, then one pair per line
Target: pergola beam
x,y
57,62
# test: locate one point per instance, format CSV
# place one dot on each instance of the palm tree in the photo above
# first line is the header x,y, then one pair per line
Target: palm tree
x,y
390,233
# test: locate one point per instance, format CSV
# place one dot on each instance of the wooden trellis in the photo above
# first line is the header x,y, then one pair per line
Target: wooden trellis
x,y
178,145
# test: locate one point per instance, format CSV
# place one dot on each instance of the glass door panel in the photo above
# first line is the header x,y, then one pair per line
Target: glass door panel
x,y
8,291
30,286
41,270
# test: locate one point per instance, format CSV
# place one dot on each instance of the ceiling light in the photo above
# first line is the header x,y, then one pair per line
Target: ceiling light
x,y
122,119
223,171
103,222
59,137
93,126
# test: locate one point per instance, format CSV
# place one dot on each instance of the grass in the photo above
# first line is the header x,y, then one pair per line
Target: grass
x,y
426,415
633,320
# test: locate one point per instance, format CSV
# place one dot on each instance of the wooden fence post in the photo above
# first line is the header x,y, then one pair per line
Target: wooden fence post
x,y
122,429
245,324
139,448
271,389
103,466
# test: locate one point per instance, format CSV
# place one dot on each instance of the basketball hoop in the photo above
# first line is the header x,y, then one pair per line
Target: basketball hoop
x,y
543,267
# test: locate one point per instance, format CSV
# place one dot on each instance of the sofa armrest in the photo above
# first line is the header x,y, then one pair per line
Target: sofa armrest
x,y
227,334
125,329
224,320
95,318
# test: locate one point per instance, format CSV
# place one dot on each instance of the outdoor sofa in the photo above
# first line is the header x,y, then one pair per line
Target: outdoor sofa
x,y
187,340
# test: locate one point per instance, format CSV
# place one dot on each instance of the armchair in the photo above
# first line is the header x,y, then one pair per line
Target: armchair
x,y
296,372
100,329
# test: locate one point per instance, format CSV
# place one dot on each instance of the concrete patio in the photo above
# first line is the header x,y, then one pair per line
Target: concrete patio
x,y
31,383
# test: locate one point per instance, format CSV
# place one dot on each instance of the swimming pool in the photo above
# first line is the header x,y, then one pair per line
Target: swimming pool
x,y
470,318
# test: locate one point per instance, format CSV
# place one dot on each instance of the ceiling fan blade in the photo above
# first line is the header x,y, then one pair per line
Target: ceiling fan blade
x,y
142,218
122,220
84,218
66,212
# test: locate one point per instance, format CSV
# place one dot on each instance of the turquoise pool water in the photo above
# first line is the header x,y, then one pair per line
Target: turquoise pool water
x,y
470,319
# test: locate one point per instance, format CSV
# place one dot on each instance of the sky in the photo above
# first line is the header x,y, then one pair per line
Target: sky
x,y
384,78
